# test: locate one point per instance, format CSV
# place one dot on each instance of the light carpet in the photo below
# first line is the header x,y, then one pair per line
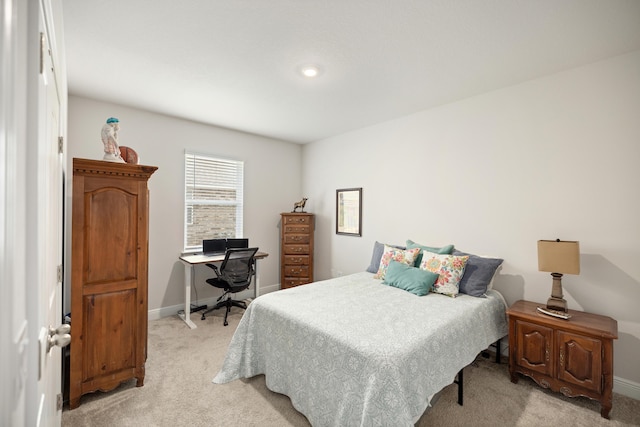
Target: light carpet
x,y
182,362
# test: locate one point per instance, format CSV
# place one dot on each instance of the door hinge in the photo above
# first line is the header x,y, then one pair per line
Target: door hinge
x,y
59,268
59,402
42,43
60,144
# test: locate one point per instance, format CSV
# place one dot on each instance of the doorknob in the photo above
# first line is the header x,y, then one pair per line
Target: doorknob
x,y
59,336
65,328
59,340
49,338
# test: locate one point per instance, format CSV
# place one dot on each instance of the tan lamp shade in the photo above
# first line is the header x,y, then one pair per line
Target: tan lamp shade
x,y
556,256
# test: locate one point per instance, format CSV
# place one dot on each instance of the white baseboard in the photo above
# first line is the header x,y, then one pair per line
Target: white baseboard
x,y
159,313
270,288
626,387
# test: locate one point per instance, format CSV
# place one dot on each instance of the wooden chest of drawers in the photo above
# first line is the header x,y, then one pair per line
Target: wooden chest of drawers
x,y
296,249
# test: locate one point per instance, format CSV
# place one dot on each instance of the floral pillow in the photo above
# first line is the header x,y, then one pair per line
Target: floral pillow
x,y
450,269
378,250
404,256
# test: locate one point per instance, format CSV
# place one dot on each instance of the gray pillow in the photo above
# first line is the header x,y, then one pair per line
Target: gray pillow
x,y
477,274
378,251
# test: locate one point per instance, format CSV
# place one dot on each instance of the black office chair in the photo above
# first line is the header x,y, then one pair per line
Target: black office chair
x,y
233,275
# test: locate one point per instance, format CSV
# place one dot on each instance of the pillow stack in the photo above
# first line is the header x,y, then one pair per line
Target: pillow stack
x,y
421,269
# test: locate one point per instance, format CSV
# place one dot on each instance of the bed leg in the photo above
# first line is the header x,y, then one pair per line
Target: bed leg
x,y
485,353
460,386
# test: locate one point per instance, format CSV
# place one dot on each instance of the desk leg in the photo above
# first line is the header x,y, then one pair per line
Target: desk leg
x,y
256,290
188,281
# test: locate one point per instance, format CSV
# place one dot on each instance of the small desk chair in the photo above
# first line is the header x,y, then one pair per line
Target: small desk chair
x,y
234,275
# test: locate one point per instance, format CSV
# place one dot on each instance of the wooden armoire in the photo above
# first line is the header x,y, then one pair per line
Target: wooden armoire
x,y
110,235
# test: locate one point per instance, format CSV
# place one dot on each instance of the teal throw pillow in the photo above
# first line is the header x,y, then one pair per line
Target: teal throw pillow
x,y
410,279
445,250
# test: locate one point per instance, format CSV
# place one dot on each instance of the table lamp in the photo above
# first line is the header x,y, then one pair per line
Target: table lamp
x,y
558,257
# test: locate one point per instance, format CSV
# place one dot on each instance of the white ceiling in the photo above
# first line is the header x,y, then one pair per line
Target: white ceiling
x,y
233,63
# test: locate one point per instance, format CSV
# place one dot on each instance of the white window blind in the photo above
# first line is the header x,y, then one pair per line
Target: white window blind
x,y
213,202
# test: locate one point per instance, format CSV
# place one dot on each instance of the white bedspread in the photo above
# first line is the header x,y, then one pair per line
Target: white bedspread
x,y
354,352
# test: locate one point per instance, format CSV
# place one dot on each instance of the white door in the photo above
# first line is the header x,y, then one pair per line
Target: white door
x,y
31,211
49,235
15,364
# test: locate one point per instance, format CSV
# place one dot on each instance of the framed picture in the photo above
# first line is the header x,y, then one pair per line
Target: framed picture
x,y
349,211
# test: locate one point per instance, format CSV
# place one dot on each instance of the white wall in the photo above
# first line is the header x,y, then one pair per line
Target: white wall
x,y
555,157
272,183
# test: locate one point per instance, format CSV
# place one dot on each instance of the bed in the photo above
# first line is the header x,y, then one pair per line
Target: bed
x,y
354,351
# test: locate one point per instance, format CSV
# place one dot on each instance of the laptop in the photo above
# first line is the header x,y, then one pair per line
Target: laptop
x,y
237,243
214,246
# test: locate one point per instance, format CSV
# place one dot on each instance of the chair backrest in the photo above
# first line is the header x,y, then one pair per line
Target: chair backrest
x,y
235,243
214,246
237,268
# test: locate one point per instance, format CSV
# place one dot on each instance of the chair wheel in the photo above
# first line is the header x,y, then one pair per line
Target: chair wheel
x,y
226,323
202,318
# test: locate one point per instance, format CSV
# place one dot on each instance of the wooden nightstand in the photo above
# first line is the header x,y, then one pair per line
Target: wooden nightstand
x,y
574,356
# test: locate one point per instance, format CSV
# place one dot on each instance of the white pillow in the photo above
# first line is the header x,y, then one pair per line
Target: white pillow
x,y
405,256
450,269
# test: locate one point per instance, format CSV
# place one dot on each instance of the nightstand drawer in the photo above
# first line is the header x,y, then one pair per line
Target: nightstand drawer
x,y
534,346
573,351
296,238
294,219
296,249
296,228
296,260
291,282
296,270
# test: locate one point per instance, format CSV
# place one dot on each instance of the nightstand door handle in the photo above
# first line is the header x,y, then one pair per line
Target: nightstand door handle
x,y
546,352
562,357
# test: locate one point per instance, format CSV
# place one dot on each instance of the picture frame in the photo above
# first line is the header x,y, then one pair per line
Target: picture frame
x,y
349,211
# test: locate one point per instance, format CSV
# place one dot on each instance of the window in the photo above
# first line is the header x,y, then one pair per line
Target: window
x,y
212,199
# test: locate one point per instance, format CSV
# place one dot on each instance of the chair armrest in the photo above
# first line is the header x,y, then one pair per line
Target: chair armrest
x,y
214,267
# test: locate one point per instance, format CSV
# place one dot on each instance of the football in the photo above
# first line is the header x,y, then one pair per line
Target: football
x,y
129,155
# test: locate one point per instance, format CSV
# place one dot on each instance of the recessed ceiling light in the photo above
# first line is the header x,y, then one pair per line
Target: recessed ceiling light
x,y
310,70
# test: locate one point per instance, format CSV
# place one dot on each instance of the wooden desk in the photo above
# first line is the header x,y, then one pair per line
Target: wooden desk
x,y
190,262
